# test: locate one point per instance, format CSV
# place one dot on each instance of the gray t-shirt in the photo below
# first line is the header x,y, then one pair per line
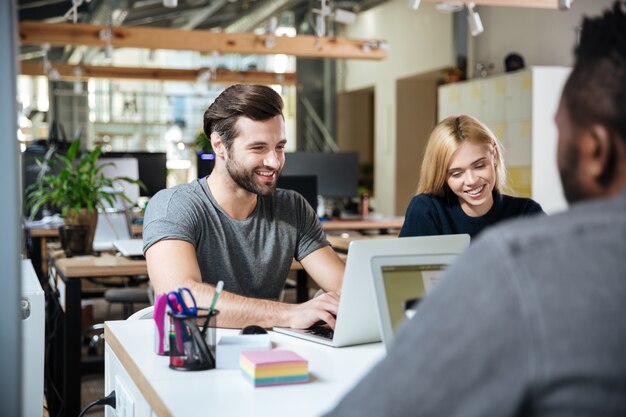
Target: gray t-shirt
x,y
252,256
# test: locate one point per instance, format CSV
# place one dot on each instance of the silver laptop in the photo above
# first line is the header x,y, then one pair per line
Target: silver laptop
x,y
401,281
132,248
357,318
111,226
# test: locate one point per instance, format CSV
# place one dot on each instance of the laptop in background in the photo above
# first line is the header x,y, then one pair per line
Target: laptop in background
x,y
357,316
401,281
131,248
111,226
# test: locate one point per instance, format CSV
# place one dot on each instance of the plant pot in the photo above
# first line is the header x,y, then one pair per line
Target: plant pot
x,y
74,239
83,217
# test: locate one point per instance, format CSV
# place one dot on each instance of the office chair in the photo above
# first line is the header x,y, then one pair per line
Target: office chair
x,y
128,297
144,313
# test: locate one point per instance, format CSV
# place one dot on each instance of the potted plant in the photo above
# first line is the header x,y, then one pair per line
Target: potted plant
x,y
77,188
205,156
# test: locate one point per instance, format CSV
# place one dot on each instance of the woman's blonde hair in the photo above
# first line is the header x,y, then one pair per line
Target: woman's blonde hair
x,y
444,140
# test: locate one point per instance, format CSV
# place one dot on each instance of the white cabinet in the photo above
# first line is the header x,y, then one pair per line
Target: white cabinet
x,y
33,310
519,108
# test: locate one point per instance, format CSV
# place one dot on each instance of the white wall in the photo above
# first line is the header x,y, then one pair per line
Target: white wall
x,y
542,37
420,41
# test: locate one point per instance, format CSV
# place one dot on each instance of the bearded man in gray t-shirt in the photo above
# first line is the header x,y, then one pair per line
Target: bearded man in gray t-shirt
x,y
235,226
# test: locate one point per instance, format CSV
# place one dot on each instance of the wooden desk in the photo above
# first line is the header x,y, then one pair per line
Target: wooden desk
x,y
341,243
156,390
367,223
43,234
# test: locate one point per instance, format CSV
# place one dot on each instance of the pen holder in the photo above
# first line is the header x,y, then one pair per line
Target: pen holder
x,y
192,340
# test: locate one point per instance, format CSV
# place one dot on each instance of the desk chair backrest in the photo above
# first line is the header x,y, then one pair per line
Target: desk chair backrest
x,y
144,313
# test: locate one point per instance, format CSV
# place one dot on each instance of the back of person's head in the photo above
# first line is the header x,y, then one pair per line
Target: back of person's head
x,y
256,102
595,92
513,62
444,141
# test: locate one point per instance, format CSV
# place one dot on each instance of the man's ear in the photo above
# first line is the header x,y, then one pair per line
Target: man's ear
x,y
595,151
217,144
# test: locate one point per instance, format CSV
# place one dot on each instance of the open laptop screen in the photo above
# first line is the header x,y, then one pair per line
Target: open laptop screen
x,y
405,285
400,282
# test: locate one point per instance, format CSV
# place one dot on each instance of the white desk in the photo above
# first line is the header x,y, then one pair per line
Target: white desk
x,y
157,390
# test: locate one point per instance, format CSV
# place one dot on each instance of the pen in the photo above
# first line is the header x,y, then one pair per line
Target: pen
x,y
218,290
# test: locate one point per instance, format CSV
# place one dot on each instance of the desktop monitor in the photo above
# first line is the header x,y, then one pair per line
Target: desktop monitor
x,y
206,162
306,185
337,173
152,169
122,167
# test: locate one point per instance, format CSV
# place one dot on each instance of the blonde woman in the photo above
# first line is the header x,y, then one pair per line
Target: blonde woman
x,y
461,180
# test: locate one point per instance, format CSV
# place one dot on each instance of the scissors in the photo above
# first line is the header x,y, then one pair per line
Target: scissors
x,y
178,305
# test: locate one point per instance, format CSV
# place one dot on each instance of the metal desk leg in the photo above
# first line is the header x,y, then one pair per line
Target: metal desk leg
x,y
72,346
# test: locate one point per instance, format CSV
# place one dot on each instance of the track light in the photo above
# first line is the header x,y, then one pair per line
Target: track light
x,y
565,4
473,20
414,4
344,16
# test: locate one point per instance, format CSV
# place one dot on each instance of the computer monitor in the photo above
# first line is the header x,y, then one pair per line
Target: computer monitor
x,y
121,167
337,173
206,162
152,169
306,185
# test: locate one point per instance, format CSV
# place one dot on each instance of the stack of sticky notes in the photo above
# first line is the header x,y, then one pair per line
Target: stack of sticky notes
x,y
273,367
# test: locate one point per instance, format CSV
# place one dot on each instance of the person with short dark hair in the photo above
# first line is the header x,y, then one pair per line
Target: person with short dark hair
x,y
531,319
235,226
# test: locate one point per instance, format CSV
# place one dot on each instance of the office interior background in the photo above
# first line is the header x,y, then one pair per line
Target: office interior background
x,y
381,109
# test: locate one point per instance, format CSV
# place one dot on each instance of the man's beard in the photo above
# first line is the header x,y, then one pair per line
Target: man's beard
x,y
246,179
568,170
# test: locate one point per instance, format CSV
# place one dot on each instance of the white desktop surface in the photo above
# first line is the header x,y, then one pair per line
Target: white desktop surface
x,y
224,392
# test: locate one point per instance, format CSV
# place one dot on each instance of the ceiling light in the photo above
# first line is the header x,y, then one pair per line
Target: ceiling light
x,y
170,3
449,6
414,4
473,20
344,16
565,4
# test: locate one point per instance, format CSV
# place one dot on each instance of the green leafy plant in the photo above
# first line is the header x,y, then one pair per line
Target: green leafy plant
x,y
203,143
78,184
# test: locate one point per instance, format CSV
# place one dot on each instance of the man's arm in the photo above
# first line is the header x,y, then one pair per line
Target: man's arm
x,y
326,269
172,264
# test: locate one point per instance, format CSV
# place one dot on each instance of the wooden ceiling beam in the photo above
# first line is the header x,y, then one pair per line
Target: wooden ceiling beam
x,y
541,4
34,32
220,76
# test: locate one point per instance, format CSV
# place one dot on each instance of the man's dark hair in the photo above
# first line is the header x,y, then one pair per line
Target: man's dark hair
x,y
256,102
596,89
595,92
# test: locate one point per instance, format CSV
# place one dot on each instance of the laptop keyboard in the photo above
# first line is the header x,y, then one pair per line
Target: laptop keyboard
x,y
322,331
